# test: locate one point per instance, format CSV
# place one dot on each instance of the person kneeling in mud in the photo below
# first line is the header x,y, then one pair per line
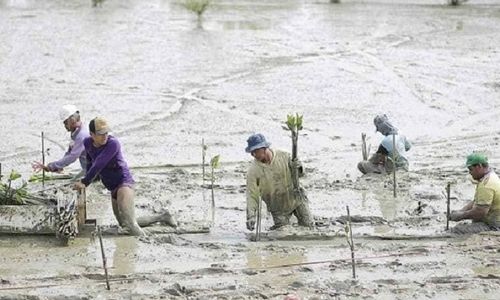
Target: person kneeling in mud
x,y
270,177
381,162
105,159
484,210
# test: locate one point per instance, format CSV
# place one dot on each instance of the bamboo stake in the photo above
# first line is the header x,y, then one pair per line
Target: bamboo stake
x,y
103,258
448,186
203,154
258,227
394,163
213,196
364,151
43,160
350,242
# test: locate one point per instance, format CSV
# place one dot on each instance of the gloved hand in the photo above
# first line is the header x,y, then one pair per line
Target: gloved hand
x,y
455,215
251,224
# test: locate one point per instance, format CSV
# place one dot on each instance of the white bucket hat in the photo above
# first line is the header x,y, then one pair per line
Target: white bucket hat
x,y
67,111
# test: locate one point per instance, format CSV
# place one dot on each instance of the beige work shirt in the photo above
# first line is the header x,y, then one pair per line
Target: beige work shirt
x,y
275,185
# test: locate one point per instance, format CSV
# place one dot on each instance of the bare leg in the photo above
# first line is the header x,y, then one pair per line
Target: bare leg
x,y
126,210
165,218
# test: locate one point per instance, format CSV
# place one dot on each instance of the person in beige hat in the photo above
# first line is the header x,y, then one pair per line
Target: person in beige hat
x,y
105,159
70,117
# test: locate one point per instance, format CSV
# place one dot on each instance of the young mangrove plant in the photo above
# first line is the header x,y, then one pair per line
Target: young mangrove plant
x,y
294,125
196,6
11,196
214,164
203,156
348,235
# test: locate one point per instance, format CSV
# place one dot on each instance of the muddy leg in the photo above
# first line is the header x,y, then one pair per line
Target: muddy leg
x,y
303,214
126,210
164,218
470,228
280,220
114,204
366,167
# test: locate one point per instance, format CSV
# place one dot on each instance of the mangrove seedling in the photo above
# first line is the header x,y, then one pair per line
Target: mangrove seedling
x,y
214,164
294,125
197,6
11,196
348,235
203,155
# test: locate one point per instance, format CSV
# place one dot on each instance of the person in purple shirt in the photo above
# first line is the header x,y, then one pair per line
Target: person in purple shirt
x,y
70,116
105,159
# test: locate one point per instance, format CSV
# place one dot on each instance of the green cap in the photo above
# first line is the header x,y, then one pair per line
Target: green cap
x,y
476,159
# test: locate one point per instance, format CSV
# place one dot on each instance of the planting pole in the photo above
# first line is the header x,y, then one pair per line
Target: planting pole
x,y
203,159
448,206
213,196
351,243
394,163
103,258
364,151
43,160
258,227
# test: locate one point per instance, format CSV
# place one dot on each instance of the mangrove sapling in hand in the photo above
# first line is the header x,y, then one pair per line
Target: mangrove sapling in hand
x,y
294,125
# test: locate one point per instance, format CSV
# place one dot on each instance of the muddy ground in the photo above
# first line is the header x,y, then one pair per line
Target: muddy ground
x,y
165,83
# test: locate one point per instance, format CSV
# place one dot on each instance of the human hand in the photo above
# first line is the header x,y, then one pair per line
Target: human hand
x,y
78,186
296,164
455,215
38,166
251,224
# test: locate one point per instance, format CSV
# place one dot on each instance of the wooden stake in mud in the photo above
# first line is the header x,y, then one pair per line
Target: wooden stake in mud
x,y
258,225
448,187
364,150
348,231
394,163
43,160
203,155
104,264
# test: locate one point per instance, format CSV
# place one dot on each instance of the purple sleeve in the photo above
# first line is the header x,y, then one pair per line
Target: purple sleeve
x,y
70,156
111,148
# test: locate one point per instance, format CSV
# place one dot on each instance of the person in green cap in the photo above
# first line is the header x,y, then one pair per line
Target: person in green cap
x,y
484,210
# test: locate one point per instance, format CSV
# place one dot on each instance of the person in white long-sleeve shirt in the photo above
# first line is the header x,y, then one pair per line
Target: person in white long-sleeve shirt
x,y
70,116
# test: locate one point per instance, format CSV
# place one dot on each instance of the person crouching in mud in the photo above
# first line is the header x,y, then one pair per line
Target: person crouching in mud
x,y
381,161
484,210
270,177
105,159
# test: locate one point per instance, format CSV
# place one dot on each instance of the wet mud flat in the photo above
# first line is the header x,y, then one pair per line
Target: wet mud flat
x,y
165,84
399,254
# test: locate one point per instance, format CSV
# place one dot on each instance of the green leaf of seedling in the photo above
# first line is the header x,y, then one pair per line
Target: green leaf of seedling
x,y
14,175
299,121
214,162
